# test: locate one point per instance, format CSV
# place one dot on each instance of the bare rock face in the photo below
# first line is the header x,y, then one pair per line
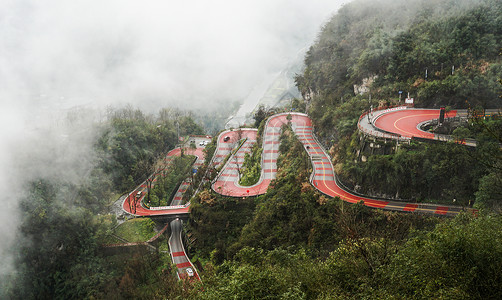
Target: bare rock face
x,y
364,87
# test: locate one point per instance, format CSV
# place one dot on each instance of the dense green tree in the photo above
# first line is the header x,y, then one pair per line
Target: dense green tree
x,y
58,248
251,168
459,259
132,142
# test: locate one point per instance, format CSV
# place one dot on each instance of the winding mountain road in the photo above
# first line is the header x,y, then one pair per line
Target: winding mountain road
x,y
399,123
323,176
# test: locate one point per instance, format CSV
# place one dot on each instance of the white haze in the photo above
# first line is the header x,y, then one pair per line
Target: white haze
x,y
60,54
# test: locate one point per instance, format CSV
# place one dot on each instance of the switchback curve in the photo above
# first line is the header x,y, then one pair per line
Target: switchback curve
x,y
323,177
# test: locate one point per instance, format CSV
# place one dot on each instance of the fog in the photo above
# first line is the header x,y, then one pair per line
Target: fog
x,y
65,53
58,56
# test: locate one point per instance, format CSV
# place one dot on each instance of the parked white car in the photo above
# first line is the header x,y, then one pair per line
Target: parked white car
x,y
189,271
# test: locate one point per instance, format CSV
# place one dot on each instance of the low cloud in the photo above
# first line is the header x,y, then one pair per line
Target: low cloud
x,y
65,53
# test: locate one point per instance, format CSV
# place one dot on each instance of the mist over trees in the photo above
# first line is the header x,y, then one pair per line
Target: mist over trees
x,y
58,253
456,43
293,242
132,142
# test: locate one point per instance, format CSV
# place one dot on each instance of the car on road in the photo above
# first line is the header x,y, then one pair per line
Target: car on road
x,y
201,143
225,139
189,271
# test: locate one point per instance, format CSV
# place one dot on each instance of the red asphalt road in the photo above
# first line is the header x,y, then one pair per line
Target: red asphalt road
x,y
143,211
402,122
269,158
405,122
223,148
178,255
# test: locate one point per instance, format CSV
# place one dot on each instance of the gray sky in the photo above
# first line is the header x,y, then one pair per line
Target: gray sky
x,y
58,54
65,53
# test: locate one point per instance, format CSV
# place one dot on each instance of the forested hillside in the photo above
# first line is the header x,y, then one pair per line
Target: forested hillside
x,y
444,53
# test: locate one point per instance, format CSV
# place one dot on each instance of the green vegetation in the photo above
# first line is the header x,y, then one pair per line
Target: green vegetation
x,y
251,168
169,179
216,222
396,42
104,233
147,276
441,173
132,142
136,230
489,136
460,258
